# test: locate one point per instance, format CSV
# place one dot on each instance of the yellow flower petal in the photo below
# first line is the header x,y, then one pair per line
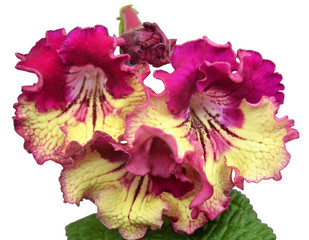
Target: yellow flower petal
x,y
214,140
124,201
219,176
259,150
130,207
89,176
180,213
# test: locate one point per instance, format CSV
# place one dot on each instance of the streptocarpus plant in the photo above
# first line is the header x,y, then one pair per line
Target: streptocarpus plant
x,y
139,155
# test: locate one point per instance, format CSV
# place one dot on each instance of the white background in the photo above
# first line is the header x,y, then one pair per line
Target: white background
x,y
31,201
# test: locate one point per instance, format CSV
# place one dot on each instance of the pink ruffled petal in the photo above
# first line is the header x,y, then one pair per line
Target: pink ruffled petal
x,y
203,66
192,54
177,184
93,46
153,153
139,164
180,88
259,78
188,76
226,89
43,60
161,159
254,78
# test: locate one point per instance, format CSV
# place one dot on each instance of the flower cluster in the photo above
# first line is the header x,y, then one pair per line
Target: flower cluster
x,y
139,155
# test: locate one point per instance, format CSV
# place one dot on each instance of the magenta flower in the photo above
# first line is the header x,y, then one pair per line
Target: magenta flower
x,y
223,112
139,155
82,88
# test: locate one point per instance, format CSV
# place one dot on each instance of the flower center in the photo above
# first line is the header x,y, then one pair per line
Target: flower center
x,y
85,92
84,82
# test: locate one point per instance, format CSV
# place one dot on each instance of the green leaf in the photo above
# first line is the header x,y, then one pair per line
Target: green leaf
x,y
239,222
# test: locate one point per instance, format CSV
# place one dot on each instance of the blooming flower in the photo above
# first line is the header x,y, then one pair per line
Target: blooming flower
x,y
222,110
139,155
83,88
